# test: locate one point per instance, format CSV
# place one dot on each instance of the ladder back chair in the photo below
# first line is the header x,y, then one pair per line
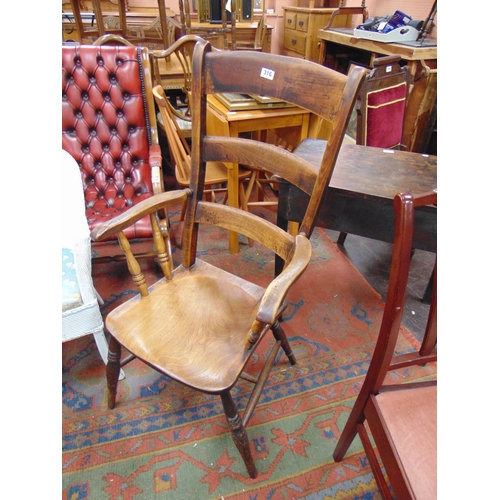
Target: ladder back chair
x,y
200,324
401,417
109,128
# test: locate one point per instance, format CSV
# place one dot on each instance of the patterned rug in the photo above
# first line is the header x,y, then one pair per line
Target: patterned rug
x,y
166,441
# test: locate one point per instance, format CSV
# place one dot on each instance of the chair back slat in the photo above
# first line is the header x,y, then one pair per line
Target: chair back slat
x,y
330,95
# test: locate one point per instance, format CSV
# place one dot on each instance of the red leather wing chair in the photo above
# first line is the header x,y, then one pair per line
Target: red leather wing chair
x,y
109,127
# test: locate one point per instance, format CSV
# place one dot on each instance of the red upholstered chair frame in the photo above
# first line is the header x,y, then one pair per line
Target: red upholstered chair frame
x,y
382,103
381,106
402,417
109,127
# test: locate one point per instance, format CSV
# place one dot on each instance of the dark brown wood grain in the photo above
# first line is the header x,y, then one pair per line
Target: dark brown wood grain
x,y
359,196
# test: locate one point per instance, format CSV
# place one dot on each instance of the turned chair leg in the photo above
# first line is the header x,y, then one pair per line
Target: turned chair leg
x,y
279,334
238,433
113,370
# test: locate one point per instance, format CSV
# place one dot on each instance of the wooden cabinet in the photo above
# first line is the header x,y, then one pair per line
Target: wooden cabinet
x,y
300,34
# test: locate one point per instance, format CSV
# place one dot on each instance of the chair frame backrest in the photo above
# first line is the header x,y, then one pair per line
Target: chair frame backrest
x,y
182,50
212,32
177,144
384,359
331,95
389,77
342,16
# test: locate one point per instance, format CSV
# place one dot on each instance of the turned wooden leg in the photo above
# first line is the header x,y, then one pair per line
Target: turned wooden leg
x,y
279,334
113,370
238,432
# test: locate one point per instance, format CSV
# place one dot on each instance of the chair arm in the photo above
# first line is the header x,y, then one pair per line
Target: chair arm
x,y
156,170
133,214
278,288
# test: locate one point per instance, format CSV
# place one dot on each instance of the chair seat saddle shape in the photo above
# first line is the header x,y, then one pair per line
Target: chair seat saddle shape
x,y
402,417
109,128
200,324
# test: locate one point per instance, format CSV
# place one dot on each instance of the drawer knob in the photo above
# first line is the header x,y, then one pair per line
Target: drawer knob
x,y
301,23
294,42
289,21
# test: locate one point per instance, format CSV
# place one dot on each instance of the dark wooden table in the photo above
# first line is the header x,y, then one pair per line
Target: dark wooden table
x,y
359,198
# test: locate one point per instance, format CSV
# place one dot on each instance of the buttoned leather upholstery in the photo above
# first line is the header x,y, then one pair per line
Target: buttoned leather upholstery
x,y
106,127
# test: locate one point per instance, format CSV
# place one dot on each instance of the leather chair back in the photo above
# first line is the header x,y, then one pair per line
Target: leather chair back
x,y
109,129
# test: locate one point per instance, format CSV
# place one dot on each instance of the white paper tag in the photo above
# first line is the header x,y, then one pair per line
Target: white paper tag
x,y
267,73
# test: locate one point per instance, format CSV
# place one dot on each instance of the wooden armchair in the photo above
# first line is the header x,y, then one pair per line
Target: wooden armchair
x,y
200,325
109,128
402,418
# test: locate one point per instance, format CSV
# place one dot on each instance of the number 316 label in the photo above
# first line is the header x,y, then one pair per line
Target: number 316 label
x,y
267,73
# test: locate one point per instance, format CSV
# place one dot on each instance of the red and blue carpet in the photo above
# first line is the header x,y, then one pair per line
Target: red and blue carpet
x,y
164,440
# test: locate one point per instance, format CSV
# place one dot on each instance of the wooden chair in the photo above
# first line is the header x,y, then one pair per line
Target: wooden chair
x,y
200,324
401,418
211,33
182,52
117,25
109,127
260,37
381,106
111,39
342,16
180,153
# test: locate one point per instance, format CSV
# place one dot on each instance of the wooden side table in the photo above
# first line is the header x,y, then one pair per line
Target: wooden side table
x,y
222,121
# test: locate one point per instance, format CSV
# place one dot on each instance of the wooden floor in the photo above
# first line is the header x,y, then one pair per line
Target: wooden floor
x,y
373,260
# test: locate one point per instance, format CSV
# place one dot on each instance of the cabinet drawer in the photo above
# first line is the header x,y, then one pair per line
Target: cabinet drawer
x,y
302,23
290,20
295,41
